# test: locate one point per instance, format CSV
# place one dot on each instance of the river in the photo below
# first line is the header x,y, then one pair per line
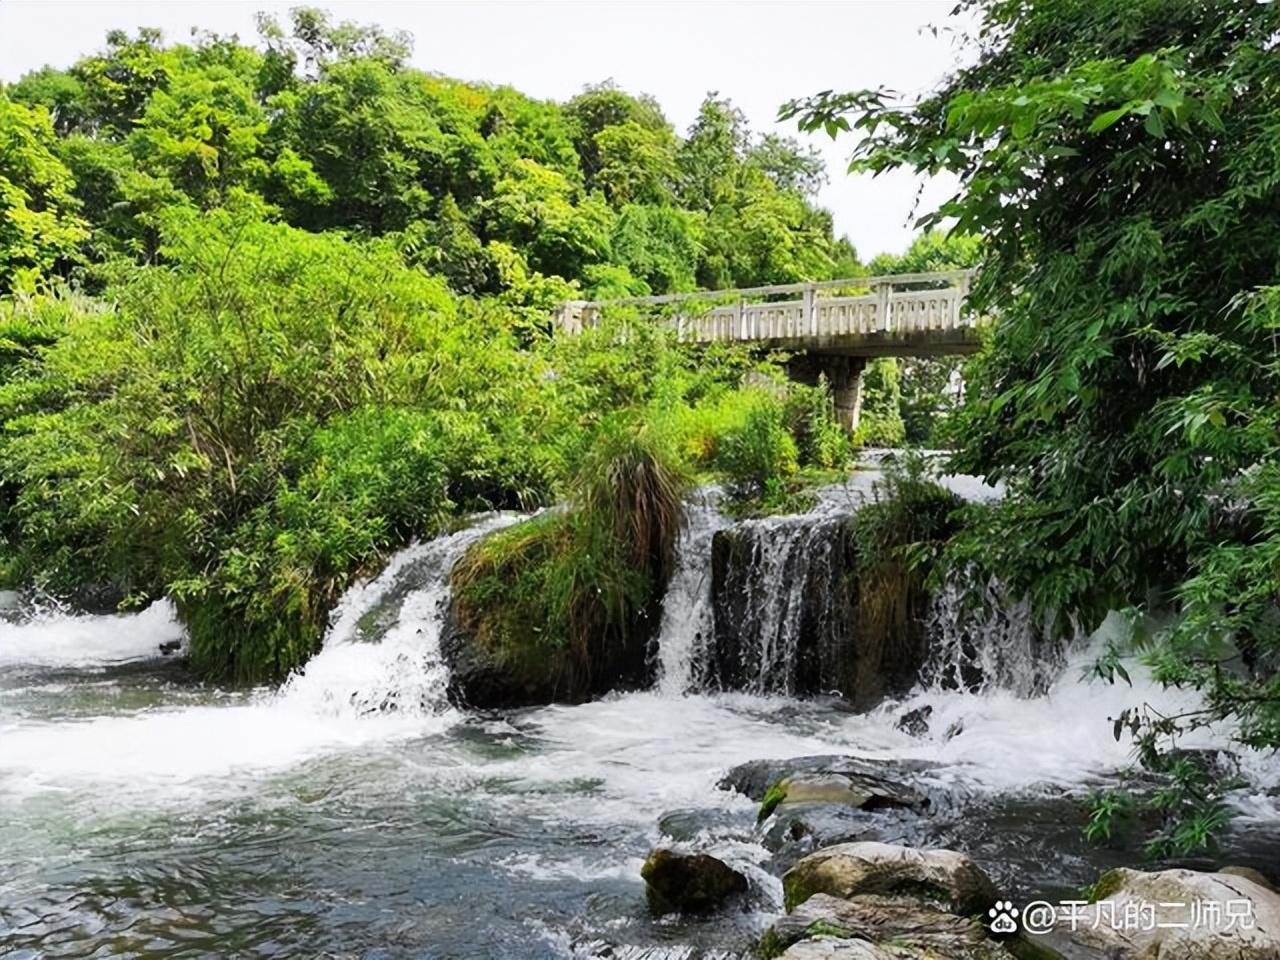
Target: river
x,y
355,813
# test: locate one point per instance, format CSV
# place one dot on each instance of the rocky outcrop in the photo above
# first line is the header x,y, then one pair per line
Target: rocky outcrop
x,y
876,901
531,673
941,877
677,882
811,802
1176,915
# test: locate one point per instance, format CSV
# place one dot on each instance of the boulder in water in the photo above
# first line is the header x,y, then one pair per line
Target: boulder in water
x,y
942,877
754,778
1178,915
678,882
878,927
915,722
859,790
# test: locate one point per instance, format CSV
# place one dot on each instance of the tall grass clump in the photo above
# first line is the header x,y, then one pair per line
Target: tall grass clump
x,y
564,605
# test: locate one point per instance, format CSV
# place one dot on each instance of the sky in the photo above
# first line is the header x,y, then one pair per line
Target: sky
x,y
759,54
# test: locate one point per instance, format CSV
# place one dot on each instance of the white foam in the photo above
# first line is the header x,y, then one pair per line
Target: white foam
x,y
60,639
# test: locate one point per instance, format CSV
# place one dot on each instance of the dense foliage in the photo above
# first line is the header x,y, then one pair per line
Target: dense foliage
x,y
272,311
1120,161
330,130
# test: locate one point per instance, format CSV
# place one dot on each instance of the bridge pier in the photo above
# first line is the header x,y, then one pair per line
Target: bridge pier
x,y
842,372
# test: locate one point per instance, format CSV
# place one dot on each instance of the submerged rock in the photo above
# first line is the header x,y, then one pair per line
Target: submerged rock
x,y
688,823
915,722
1178,915
677,882
796,830
942,877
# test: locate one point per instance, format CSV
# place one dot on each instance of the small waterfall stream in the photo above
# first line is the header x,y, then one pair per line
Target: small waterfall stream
x,y
685,632
382,650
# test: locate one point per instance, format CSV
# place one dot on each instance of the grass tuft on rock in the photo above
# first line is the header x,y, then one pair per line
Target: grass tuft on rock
x,y
564,605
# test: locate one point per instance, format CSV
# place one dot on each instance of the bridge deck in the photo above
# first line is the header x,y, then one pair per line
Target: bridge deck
x,y
901,315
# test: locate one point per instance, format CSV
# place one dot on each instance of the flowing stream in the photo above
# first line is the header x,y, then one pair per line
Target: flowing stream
x,y
355,813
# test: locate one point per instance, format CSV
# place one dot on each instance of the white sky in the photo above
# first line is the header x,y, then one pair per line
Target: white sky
x,y
757,53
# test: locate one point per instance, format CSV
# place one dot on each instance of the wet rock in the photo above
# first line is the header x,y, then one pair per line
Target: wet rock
x,y
677,882
859,791
953,731
889,923
942,877
170,647
685,824
753,779
1243,922
1249,873
796,830
915,722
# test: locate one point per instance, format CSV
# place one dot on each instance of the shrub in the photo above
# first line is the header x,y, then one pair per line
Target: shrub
x,y
757,453
881,423
564,603
821,440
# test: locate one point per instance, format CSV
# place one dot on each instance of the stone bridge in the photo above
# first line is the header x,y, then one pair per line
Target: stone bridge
x,y
830,327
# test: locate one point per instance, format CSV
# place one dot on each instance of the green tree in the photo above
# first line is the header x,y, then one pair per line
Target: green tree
x,y
1119,159
40,230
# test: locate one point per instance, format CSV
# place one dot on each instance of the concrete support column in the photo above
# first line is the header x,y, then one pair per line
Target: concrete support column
x,y
846,388
843,373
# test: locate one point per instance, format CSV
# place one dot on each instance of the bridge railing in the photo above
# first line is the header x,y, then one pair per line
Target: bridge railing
x,y
899,304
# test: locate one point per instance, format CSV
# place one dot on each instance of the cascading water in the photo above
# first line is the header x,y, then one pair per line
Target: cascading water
x,y
382,650
688,620
776,604
982,641
354,812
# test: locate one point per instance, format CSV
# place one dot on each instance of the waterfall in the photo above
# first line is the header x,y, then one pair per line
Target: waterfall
x,y
382,649
981,640
770,606
685,632
779,613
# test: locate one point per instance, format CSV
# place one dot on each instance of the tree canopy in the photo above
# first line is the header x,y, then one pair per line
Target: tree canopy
x,y
270,311
327,128
1120,161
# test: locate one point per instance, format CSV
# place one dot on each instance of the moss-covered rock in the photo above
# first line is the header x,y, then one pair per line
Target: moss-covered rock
x,y
565,606
894,921
677,882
